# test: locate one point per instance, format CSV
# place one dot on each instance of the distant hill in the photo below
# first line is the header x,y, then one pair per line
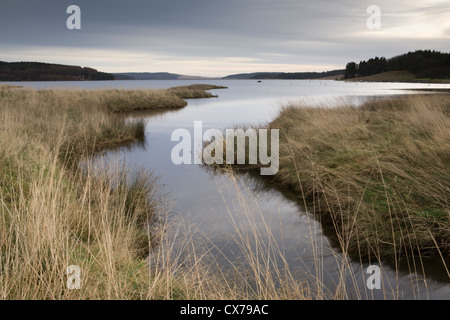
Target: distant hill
x,y
420,65
156,76
38,71
243,76
388,76
287,75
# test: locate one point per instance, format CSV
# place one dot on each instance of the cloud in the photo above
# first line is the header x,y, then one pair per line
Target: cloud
x,y
210,35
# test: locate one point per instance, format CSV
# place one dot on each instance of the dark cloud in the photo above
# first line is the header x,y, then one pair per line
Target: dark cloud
x,y
321,33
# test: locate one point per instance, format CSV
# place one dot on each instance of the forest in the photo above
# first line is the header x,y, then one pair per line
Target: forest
x,y
38,71
421,63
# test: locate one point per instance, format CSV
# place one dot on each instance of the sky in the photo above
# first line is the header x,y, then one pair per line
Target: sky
x,y
217,38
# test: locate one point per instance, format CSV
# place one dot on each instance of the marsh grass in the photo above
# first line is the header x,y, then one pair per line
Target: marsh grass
x,y
112,223
378,173
195,91
120,101
53,214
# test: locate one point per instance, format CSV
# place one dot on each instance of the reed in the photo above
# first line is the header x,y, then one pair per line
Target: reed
x,y
108,221
112,222
379,173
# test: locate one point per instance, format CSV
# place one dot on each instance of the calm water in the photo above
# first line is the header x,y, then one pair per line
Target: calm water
x,y
216,211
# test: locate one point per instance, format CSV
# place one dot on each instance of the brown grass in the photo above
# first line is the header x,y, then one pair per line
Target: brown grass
x,y
195,91
380,173
54,213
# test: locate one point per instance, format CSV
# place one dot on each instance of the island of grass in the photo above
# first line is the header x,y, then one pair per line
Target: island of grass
x,y
379,174
119,101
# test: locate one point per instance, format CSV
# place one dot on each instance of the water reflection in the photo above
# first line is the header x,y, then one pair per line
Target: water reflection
x,y
412,271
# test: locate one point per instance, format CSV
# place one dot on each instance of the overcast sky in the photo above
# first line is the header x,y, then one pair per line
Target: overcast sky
x,y
217,38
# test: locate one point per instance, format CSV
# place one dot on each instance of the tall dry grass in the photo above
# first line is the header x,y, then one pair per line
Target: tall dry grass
x,y
379,173
110,223
55,214
377,177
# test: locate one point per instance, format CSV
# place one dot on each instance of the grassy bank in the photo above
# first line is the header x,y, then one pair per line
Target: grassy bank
x,y
119,101
195,91
379,173
53,214
390,76
396,76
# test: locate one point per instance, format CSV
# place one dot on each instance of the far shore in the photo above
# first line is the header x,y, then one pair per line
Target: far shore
x,y
397,76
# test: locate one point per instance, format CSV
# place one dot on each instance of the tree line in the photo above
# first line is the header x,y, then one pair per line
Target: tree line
x,y
422,63
38,71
